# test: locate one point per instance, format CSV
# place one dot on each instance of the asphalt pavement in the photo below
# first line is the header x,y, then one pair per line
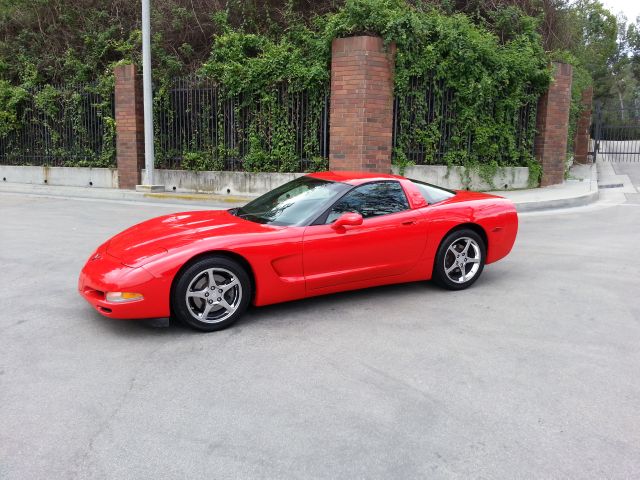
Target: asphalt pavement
x,y
531,373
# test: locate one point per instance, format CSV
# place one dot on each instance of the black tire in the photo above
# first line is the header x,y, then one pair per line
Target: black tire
x,y
448,266
221,306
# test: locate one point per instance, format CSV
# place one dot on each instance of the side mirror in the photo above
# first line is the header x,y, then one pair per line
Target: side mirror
x,y
347,219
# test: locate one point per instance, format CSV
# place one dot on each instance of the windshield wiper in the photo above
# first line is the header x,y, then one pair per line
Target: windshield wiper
x,y
248,216
238,212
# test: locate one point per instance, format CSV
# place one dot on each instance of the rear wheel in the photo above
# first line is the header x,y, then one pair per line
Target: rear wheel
x,y
212,293
460,260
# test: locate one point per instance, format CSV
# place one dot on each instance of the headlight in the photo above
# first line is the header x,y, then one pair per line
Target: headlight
x,y
120,297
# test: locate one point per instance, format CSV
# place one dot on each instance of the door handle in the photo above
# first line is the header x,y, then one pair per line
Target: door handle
x,y
408,222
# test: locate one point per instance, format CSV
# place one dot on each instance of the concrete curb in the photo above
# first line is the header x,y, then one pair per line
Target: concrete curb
x,y
579,190
559,203
108,194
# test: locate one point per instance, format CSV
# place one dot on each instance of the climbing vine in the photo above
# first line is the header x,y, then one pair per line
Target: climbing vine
x,y
70,125
269,102
464,96
481,88
10,98
479,83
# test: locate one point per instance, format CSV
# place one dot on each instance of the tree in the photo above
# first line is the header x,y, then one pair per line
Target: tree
x,y
594,43
633,48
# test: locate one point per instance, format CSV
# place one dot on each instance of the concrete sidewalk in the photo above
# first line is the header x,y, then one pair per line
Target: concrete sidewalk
x,y
608,177
579,189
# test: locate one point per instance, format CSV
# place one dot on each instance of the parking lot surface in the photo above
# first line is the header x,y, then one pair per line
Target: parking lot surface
x,y
531,373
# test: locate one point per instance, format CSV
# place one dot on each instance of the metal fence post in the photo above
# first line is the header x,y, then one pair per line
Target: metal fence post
x,y
597,131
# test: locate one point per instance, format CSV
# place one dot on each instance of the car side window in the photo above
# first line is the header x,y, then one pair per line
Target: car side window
x,y
371,200
431,193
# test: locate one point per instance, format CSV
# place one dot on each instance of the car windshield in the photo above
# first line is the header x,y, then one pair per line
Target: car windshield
x,y
293,203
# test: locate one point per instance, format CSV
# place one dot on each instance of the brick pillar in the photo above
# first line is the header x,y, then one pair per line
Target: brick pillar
x,y
581,140
552,125
129,126
361,119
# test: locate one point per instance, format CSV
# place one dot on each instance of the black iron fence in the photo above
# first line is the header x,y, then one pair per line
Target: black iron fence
x,y
427,127
61,125
198,126
615,131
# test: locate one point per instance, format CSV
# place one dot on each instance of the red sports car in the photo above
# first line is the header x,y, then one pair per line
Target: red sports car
x,y
321,233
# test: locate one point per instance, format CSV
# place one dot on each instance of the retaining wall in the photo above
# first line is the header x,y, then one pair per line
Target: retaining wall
x,y
223,183
65,176
246,183
507,178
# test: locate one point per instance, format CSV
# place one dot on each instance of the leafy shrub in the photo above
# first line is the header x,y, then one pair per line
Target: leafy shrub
x,y
58,126
491,76
490,80
201,161
10,98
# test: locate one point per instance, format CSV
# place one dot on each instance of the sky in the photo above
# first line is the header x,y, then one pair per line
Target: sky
x,y
631,8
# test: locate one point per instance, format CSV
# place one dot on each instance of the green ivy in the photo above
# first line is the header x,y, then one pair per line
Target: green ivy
x,y
199,161
262,73
10,98
490,80
63,127
490,77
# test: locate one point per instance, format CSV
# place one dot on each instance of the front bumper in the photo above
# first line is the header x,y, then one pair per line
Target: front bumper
x,y
103,273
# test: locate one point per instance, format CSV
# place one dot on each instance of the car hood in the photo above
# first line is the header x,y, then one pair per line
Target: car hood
x,y
139,244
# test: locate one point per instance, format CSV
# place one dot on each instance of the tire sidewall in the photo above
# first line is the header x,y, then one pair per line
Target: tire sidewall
x,y
439,274
178,302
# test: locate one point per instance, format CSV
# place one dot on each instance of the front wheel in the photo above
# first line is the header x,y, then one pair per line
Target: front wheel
x,y
211,294
460,260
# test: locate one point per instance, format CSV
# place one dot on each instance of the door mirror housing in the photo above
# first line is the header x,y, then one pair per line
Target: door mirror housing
x,y
347,219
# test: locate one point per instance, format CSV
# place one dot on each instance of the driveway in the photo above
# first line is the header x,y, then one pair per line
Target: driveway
x,y
630,169
531,373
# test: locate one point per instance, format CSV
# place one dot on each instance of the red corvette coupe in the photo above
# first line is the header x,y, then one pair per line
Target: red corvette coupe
x,y
321,233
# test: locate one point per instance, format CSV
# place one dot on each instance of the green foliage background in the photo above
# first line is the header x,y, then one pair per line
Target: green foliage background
x,y
491,56
490,79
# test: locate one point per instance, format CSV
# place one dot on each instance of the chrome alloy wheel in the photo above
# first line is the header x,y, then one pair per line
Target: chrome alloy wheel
x,y
213,295
462,260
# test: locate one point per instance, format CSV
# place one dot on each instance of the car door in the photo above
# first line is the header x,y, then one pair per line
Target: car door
x,y
389,241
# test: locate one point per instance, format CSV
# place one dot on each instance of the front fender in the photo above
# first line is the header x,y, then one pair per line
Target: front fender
x,y
275,260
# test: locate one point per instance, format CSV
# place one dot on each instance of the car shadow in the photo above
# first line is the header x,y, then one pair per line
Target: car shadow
x,y
281,313
335,301
121,327
412,291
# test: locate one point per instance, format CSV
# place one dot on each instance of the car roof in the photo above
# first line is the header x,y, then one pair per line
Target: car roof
x,y
353,178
